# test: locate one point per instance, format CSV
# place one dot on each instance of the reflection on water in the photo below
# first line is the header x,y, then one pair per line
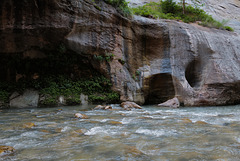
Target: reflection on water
x,y
151,133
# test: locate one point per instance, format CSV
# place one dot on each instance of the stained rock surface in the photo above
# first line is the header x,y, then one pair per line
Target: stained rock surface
x,y
154,60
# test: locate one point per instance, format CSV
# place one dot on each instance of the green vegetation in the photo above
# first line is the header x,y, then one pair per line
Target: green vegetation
x,y
106,57
4,96
170,10
97,88
121,5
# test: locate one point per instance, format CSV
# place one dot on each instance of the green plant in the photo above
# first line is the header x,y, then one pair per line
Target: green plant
x,y
134,77
49,101
4,96
169,6
73,100
98,57
138,73
228,28
109,56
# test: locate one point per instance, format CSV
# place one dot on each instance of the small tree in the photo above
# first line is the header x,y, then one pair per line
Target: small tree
x,y
184,4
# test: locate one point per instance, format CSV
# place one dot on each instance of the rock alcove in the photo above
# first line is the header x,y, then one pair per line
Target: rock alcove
x,y
161,88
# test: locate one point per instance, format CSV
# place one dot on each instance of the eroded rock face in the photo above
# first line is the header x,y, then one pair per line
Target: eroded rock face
x,y
153,59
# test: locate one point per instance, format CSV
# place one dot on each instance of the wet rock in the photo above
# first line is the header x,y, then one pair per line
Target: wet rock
x,y
186,120
93,122
172,103
28,125
77,133
201,123
80,116
28,99
144,117
101,107
6,150
115,122
80,131
58,130
61,100
45,131
84,99
225,115
132,150
130,105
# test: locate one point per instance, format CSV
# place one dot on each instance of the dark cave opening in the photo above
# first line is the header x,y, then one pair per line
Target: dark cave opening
x,y
193,73
161,89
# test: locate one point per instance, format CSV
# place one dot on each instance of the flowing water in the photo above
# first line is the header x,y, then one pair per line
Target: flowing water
x,y
151,133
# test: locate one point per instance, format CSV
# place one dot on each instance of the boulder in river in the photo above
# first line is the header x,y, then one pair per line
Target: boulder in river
x,y
200,123
28,125
130,105
173,103
81,116
101,107
6,150
186,121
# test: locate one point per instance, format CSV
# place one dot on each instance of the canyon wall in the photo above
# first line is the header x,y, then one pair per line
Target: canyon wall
x,y
154,60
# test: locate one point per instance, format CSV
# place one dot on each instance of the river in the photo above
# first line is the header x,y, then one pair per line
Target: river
x,y
151,133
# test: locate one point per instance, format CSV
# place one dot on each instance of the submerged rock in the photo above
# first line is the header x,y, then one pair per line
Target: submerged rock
x,y
101,107
186,121
130,105
201,123
28,125
80,116
115,122
173,103
6,150
132,150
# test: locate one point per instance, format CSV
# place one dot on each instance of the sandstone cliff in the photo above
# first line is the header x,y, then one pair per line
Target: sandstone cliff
x,y
154,60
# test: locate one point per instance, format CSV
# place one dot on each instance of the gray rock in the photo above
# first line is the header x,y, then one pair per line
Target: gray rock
x,y
61,100
172,103
29,98
101,107
84,99
130,105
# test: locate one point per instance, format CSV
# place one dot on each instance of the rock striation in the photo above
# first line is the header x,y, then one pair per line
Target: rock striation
x,y
154,60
